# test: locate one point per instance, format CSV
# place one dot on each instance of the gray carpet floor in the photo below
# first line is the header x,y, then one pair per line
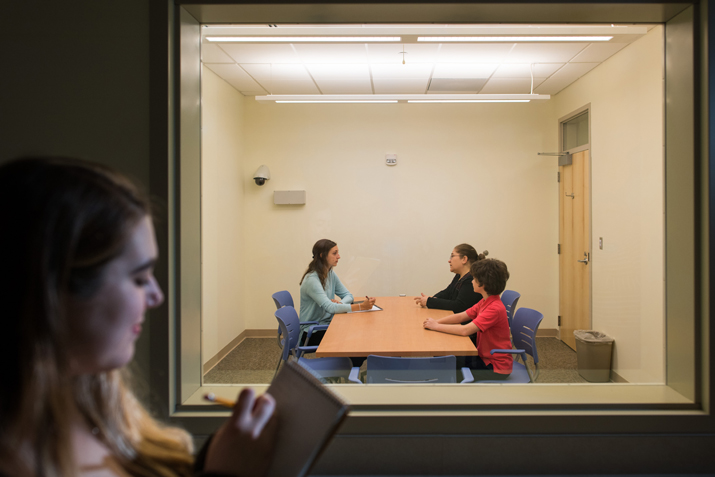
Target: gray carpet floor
x,y
254,362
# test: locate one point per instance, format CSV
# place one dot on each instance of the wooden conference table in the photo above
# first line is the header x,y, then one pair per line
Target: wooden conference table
x,y
395,331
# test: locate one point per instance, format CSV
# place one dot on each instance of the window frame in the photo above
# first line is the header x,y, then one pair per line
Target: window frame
x,y
687,301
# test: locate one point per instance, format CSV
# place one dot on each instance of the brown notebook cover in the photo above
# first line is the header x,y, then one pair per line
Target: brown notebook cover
x,y
308,415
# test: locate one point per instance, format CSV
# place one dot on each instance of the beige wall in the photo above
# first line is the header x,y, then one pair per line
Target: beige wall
x,y
625,94
465,173
222,216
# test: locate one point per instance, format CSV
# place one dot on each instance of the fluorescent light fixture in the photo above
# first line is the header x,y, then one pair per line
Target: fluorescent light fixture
x,y
468,100
301,39
340,101
393,98
510,39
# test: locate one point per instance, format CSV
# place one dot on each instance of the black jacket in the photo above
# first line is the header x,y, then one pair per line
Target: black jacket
x,y
458,296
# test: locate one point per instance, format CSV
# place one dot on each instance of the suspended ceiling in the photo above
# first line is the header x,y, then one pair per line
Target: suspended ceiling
x,y
409,66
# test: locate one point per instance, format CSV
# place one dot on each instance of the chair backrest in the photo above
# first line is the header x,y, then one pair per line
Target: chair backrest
x,y
282,298
510,298
523,331
387,369
289,324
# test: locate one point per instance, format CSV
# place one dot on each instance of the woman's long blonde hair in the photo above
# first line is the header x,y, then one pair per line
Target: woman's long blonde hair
x,y
63,221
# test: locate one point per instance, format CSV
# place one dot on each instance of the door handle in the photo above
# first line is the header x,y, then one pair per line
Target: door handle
x,y
585,258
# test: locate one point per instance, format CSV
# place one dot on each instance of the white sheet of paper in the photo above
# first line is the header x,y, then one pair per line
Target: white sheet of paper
x,y
374,308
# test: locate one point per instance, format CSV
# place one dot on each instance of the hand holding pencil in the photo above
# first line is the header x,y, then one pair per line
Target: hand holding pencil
x,y
244,444
364,305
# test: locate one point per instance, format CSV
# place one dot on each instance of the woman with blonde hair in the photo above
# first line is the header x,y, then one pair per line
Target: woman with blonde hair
x,y
79,252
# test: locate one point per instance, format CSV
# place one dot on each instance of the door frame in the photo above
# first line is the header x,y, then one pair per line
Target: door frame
x,y
577,112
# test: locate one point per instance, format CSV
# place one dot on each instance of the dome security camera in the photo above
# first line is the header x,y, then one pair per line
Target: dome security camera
x,y
261,175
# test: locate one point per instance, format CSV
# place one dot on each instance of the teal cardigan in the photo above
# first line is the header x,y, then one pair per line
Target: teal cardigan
x,y
315,304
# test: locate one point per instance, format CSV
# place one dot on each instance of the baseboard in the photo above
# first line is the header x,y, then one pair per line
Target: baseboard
x,y
235,342
616,378
547,333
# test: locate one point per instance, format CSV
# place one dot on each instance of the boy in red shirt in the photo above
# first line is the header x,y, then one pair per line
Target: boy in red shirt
x,y
489,321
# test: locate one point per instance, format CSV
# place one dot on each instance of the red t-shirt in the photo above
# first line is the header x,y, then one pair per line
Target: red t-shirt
x,y
490,317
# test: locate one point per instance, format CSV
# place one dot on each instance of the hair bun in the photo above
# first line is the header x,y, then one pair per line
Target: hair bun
x,y
485,253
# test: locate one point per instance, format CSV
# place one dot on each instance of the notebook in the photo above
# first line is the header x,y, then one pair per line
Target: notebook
x,y
309,414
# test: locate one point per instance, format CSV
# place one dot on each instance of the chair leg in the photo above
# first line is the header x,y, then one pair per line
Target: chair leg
x,y
280,358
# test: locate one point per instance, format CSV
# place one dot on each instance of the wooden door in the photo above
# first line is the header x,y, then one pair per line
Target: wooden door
x,y
575,247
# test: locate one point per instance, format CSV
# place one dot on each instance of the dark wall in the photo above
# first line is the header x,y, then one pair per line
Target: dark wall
x,y
75,81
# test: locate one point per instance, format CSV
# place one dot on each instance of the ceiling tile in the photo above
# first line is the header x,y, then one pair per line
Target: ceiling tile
x,y
544,52
402,86
564,77
463,70
474,53
212,53
337,54
523,70
597,52
391,53
456,85
235,76
264,74
252,53
344,72
345,86
293,87
407,71
509,86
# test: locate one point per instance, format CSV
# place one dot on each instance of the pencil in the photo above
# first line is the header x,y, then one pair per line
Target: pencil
x,y
219,400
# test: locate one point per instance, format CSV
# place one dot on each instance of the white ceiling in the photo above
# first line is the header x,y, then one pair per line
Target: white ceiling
x,y
377,68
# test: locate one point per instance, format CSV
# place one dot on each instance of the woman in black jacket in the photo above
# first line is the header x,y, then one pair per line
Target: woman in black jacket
x,y
459,295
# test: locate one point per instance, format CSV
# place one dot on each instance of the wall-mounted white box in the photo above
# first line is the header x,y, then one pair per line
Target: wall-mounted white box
x,y
289,197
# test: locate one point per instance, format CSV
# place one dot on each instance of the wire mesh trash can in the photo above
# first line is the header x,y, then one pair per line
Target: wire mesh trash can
x,y
593,351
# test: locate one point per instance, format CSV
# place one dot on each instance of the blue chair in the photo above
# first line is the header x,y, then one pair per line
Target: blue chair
x,y
281,299
510,298
289,325
523,334
388,369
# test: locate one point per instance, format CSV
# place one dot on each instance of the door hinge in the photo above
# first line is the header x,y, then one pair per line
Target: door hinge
x,y
558,177
558,249
559,320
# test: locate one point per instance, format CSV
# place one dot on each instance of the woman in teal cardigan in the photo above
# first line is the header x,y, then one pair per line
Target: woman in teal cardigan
x,y
319,287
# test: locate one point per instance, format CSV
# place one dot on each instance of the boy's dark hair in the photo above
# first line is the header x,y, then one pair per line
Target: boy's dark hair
x,y
491,274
